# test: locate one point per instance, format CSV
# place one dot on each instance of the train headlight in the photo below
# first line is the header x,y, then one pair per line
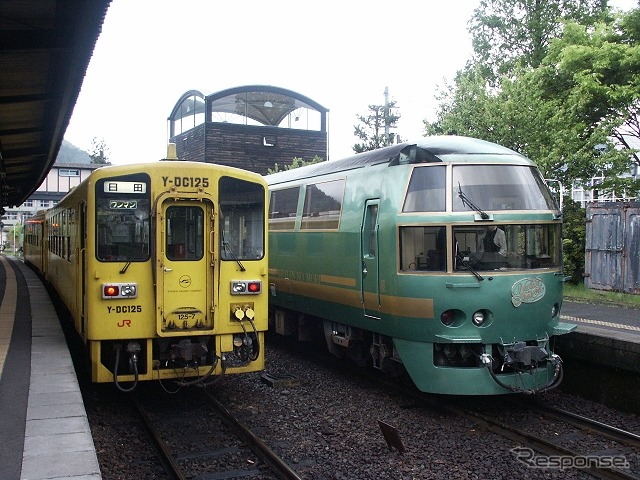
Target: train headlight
x,y
555,310
479,318
246,287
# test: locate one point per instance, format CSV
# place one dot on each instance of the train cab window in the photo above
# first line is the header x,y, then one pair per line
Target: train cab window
x,y
184,233
242,217
423,248
506,247
499,187
426,192
283,207
322,205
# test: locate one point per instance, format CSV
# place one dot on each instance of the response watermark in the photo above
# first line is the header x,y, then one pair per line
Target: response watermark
x,y
530,459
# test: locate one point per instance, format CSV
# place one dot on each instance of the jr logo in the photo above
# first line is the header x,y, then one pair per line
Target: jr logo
x,y
124,323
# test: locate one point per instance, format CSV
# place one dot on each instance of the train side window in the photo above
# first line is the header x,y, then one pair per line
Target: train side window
x,y
426,192
323,205
423,248
370,249
283,207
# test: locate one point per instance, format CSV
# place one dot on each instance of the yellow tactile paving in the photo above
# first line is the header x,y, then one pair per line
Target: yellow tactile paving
x,y
7,312
601,323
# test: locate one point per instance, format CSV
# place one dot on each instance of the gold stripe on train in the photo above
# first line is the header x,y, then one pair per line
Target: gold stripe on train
x,y
390,305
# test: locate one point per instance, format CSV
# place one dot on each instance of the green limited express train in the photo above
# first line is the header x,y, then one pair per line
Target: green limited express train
x,y
441,257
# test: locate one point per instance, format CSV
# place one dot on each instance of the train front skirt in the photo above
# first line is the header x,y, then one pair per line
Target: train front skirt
x,y
520,368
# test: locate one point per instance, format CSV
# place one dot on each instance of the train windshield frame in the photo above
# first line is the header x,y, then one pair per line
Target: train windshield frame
x,y
499,187
122,228
242,219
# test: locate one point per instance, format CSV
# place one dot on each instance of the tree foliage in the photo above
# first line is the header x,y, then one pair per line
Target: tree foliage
x,y
99,152
509,35
296,163
375,129
573,240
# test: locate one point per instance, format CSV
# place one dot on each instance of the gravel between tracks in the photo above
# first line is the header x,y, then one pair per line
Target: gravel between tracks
x,y
326,427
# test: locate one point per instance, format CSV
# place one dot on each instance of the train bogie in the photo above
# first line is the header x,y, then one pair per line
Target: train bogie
x,y
443,256
161,267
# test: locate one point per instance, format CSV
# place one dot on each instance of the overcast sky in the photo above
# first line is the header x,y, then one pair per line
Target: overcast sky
x,y
340,54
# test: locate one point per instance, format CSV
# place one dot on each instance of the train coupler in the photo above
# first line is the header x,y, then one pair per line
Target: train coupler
x,y
523,355
185,352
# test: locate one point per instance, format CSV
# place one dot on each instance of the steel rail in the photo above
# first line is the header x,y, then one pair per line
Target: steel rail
x,y
282,470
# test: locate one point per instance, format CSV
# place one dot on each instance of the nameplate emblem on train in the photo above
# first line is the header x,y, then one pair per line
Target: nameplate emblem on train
x,y
527,290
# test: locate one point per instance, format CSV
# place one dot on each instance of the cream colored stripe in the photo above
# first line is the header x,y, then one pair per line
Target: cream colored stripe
x,y
7,311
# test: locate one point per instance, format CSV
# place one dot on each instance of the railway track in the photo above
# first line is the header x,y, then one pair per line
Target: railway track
x,y
544,436
218,447
550,437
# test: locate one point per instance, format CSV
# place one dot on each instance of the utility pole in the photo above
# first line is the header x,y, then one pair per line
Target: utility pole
x,y
386,116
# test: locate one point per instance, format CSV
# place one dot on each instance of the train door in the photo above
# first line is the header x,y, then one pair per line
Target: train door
x,y
82,237
185,274
370,261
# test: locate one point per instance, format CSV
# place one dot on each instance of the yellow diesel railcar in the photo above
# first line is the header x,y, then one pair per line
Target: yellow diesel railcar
x,y
162,267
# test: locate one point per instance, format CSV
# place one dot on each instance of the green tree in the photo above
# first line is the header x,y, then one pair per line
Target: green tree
x,y
375,129
511,34
591,76
99,151
296,163
573,240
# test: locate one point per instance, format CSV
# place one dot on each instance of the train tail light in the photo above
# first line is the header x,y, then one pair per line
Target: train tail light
x,y
246,287
110,291
447,318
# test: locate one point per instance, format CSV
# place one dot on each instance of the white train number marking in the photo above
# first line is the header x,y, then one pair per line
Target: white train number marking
x,y
186,182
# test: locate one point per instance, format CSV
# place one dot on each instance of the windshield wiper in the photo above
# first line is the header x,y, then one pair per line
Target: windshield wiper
x,y
468,266
228,248
468,203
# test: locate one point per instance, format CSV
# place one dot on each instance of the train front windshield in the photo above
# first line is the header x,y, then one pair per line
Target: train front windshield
x,y
242,209
499,187
122,218
481,246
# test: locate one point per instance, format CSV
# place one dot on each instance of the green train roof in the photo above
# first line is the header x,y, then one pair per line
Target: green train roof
x,y
426,150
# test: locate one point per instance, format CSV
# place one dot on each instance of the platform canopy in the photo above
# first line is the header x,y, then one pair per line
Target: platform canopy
x,y
45,48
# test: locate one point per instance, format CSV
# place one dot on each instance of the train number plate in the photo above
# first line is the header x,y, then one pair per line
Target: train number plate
x,y
185,318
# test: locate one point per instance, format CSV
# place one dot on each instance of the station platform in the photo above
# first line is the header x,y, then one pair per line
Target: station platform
x,y
606,335
44,430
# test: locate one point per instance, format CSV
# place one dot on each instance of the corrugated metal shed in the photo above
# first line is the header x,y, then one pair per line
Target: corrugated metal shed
x,y
612,260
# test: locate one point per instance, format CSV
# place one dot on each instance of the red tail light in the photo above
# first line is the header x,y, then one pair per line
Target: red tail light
x,y
111,291
447,318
